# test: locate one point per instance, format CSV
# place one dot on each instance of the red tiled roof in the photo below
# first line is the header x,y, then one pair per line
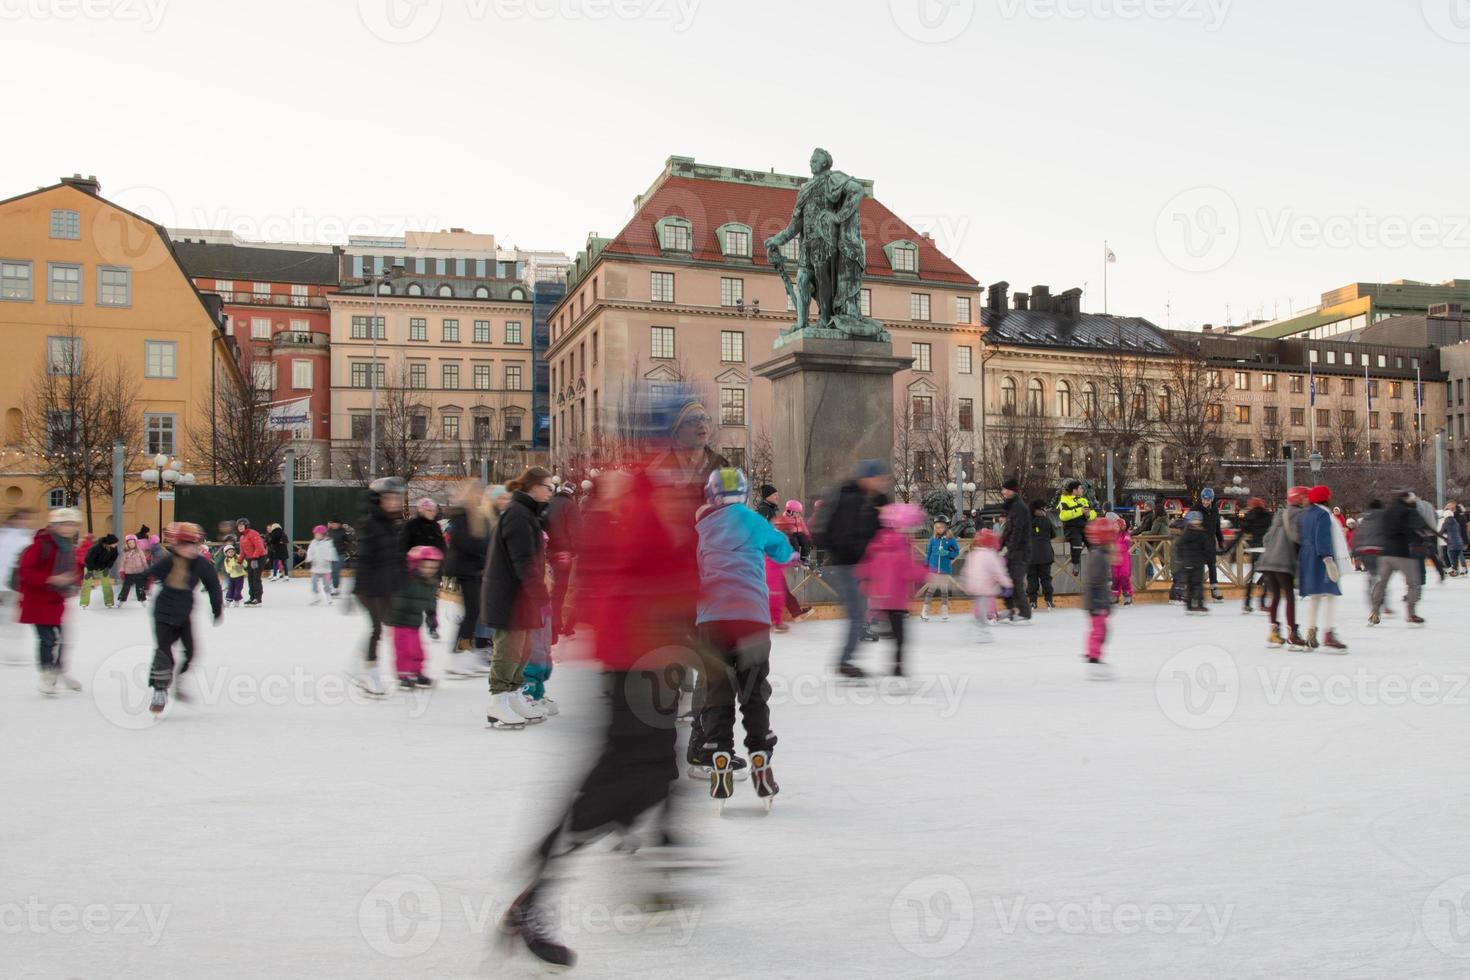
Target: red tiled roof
x,y
708,204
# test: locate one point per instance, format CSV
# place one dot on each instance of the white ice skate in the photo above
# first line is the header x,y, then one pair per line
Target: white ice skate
x,y
463,665
500,713
525,707
548,706
69,682
47,683
366,681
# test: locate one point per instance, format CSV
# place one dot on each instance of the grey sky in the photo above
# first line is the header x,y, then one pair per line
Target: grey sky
x,y
1230,151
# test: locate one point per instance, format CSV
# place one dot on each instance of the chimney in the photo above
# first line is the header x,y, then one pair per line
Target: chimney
x,y
87,185
1041,299
1022,301
1069,303
1208,328
997,296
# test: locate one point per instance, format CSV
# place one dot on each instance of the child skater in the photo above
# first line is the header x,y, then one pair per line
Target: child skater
x,y
234,570
1192,552
178,574
1099,577
132,565
939,557
416,599
321,557
890,572
1122,561
985,577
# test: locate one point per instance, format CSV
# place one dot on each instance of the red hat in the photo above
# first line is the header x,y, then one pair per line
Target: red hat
x,y
1101,531
1319,494
1298,493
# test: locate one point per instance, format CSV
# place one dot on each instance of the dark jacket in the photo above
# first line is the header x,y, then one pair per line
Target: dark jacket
x,y
1097,580
1016,541
850,525
1194,548
419,531
514,592
1043,532
415,600
380,565
1254,524
1403,530
465,555
277,541
174,605
341,540
102,555
563,522
767,510
1211,512
1369,538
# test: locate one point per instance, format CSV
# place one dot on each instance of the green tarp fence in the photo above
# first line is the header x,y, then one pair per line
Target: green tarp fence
x,y
209,506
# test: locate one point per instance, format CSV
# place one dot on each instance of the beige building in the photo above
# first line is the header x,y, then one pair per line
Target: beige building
x,y
684,292
454,364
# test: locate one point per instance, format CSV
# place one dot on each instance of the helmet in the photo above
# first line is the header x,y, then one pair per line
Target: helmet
x,y
388,484
419,554
903,517
726,485
988,539
319,529
1297,495
1194,517
1101,530
1207,494
182,532
243,520
794,506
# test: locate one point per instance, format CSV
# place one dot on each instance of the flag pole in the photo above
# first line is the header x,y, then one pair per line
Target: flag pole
x,y
1105,276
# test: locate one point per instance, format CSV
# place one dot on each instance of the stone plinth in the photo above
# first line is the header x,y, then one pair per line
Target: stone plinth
x,y
832,404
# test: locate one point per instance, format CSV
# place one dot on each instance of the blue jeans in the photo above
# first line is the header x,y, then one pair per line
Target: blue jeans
x,y
850,592
337,574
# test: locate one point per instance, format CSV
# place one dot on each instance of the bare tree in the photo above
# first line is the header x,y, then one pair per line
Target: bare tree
x,y
947,435
233,435
77,407
908,445
404,447
1124,419
762,459
1192,418
1348,436
1018,444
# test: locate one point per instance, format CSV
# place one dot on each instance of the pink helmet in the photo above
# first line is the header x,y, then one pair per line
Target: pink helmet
x,y
319,529
904,517
419,554
794,506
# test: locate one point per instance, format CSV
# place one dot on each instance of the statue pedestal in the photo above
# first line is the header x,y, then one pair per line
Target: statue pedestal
x,y
832,405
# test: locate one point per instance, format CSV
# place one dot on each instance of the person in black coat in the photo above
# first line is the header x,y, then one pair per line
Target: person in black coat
x,y
1193,550
563,522
341,538
467,534
178,574
770,503
514,597
1404,542
1015,545
97,565
422,529
280,550
1209,507
1041,556
844,527
381,564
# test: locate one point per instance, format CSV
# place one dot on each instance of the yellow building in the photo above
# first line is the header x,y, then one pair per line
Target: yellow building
x,y
87,286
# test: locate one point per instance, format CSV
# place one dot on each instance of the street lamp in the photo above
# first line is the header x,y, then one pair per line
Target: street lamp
x,y
164,474
1315,462
965,485
1236,491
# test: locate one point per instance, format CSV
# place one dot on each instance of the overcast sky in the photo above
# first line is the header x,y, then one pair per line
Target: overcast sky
x,y
1242,152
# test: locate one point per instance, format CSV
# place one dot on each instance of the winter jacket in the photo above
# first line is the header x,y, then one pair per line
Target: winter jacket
x,y
1122,553
417,598
41,603
132,561
766,510
1369,539
1403,530
1193,548
252,546
1254,524
380,564
1074,511
102,555
849,525
422,532
1430,518
13,542
1211,512
1319,545
1160,526
234,568
513,595
734,542
176,601
985,573
795,530
341,540
563,522
1016,536
320,555
1280,543
889,571
941,553
464,556
277,539
1450,530
1043,532
1097,580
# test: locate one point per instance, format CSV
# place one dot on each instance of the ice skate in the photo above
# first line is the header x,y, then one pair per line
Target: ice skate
x,y
528,922
1312,643
501,714
1414,620
761,776
1128,599
1215,594
1374,619
523,706
944,611
1275,641
924,612
47,683
67,681
1098,669
1332,644
158,701
851,672
702,763
721,777
463,665
547,706
1295,642
366,681
405,682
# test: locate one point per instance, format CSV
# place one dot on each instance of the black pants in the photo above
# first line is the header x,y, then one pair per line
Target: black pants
x,y
561,583
1281,587
252,568
1016,567
1214,567
737,663
1194,585
165,636
49,649
1038,581
1075,538
138,583
896,618
469,590
377,610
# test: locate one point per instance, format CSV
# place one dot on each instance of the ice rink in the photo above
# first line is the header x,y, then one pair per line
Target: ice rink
x,y
1218,810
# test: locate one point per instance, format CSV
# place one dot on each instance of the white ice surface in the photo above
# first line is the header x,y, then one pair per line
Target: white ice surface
x,y
1209,813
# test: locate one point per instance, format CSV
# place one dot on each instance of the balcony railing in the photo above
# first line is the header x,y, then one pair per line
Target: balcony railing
x,y
301,338
245,298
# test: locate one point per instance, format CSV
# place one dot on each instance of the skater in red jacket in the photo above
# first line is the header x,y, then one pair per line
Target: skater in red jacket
x,y
253,552
49,573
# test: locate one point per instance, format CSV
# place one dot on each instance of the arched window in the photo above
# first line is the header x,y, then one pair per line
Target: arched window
x,y
1064,399
1167,469
1115,400
1035,398
384,289
1064,462
1091,463
1141,468
1089,399
415,289
1140,402
1164,404
1008,396
13,426
482,292
517,294
445,291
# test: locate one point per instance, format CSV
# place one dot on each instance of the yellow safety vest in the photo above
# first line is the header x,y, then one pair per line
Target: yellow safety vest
x,y
1070,508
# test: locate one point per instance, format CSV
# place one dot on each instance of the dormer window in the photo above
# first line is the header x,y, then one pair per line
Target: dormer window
x,y
414,289
734,240
517,295
675,234
903,256
482,292
445,292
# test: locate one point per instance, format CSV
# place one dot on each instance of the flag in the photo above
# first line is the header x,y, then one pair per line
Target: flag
x,y
287,416
1108,255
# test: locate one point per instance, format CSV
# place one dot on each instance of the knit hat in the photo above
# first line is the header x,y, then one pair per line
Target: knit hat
x,y
65,515
566,487
689,409
1012,484
766,490
869,468
1194,517
319,529
1319,494
1207,494
1297,493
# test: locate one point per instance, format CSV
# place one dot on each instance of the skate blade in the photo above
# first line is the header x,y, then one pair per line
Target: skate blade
x,y
508,726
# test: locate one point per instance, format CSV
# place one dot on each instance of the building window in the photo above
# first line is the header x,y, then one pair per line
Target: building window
x,y
1349,418
865,302
1243,448
1298,416
450,332
736,456
1382,361
732,346
1214,413
513,378
962,309
480,377
1348,386
1242,414
1347,357
114,286
921,354
918,306
1295,384
962,359
263,374
260,328
418,374
1395,389
303,469
1324,386
449,376
414,289
159,433
65,283
451,427
1165,404
732,291
512,426
675,235
792,249
301,374
160,359
361,426
64,355
481,428
298,294
1270,416
1396,421
482,331
967,415
1324,417
1312,356
66,224
1008,396
362,324
923,412
1373,389
594,348
732,406
661,342
512,331
1268,382
1064,398
661,286
1242,381
418,328
1332,357
15,280
905,259
737,242
418,427
445,291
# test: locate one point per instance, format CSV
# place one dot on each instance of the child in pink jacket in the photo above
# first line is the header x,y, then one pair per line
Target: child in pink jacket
x,y
889,571
1122,563
985,577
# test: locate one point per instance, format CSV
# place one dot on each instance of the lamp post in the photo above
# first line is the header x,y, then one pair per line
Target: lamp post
x,y
164,474
955,488
1315,462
